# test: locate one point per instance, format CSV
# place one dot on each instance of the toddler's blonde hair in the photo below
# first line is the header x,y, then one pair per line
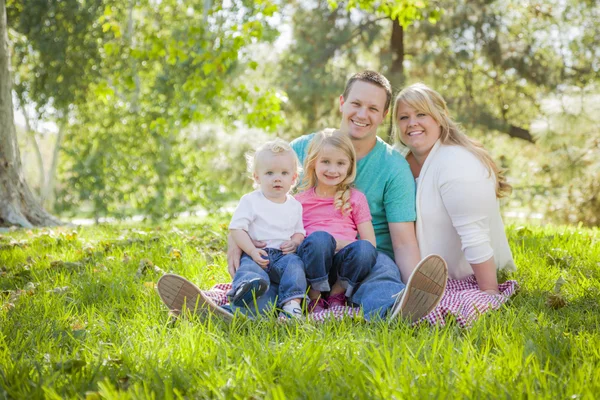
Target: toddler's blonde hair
x,y
340,141
276,146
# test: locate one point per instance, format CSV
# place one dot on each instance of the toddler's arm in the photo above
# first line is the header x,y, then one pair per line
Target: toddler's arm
x,y
242,239
291,245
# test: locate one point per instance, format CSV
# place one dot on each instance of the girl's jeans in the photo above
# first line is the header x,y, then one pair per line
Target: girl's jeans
x,y
324,267
285,274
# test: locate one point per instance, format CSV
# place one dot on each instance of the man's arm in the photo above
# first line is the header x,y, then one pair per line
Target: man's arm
x,y
242,239
406,248
234,253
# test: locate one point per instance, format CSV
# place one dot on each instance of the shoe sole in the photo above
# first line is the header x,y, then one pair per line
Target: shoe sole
x,y
424,289
250,290
178,294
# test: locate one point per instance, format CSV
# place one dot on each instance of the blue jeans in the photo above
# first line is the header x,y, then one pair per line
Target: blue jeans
x,y
285,274
375,293
324,267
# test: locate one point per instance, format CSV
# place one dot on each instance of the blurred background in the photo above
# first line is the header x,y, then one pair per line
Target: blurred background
x,y
146,107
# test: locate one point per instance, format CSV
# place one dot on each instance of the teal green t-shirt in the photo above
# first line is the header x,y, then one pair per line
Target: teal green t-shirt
x,y
384,177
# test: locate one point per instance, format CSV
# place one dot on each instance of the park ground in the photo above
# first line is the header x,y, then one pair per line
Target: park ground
x,y
80,318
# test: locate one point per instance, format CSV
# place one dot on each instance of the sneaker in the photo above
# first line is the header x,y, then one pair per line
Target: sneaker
x,y
290,310
248,291
337,300
423,291
316,306
178,294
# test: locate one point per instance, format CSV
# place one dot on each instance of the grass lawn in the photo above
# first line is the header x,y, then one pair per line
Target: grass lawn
x,y
80,318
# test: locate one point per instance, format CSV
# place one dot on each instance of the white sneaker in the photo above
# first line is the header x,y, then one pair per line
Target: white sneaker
x,y
291,309
423,291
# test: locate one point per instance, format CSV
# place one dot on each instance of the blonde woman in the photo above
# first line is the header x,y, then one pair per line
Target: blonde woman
x,y
334,214
458,187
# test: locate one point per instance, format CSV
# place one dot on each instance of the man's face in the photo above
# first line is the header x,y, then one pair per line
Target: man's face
x,y
363,111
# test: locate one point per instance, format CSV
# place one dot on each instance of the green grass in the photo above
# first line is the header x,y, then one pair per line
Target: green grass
x,y
89,324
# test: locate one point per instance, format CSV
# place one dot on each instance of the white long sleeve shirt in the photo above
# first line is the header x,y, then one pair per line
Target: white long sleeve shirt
x,y
458,215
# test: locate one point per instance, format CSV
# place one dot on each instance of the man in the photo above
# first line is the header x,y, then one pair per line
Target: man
x,y
384,176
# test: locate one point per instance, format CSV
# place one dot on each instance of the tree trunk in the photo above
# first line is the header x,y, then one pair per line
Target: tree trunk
x,y
18,206
48,195
396,74
36,148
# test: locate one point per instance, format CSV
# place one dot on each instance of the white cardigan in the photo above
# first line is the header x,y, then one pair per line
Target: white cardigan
x,y
458,214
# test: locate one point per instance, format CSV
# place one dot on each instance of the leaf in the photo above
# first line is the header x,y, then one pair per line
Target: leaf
x,y
69,365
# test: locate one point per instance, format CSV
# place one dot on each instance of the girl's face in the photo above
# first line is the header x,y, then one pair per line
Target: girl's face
x,y
332,166
419,131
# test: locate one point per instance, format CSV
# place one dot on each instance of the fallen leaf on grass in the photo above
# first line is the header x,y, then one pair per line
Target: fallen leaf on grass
x,y
175,254
58,290
556,300
145,265
69,365
65,264
150,285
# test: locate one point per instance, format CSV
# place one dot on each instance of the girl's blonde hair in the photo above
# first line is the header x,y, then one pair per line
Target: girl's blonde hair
x,y
275,146
424,99
340,141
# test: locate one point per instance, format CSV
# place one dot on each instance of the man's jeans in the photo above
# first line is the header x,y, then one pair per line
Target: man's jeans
x,y
324,267
285,274
376,292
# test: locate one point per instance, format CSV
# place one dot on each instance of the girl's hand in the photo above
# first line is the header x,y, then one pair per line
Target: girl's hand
x,y
288,247
257,255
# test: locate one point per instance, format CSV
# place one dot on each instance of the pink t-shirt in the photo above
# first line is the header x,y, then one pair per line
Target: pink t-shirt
x,y
318,214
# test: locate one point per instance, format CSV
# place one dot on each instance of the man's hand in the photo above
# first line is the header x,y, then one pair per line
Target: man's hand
x,y
257,255
234,254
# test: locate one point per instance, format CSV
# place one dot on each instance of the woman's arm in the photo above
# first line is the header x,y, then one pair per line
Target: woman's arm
x,y
470,203
485,273
366,232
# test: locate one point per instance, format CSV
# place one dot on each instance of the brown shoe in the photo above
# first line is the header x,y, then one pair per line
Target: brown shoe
x,y
423,291
178,294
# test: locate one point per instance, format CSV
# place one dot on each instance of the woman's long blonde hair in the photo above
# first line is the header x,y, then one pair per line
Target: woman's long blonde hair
x,y
424,99
336,139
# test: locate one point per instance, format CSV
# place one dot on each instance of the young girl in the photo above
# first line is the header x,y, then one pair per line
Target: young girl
x,y
333,214
271,215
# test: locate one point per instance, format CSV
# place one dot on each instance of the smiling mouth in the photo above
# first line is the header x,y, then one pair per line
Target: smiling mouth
x,y
415,133
359,123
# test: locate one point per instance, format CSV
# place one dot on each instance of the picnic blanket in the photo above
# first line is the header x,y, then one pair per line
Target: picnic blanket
x,y
462,299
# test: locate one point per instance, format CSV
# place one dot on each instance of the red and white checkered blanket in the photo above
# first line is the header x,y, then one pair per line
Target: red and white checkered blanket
x,y
462,299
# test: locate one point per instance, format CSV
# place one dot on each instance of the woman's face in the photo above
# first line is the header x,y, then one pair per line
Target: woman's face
x,y
418,131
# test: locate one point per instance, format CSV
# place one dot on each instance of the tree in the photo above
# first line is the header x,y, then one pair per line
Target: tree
x,y
18,206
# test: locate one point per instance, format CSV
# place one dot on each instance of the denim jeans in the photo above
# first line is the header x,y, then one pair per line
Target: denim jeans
x,y
285,274
375,294
324,267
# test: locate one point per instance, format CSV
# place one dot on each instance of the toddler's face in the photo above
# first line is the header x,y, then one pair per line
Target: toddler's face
x,y
275,173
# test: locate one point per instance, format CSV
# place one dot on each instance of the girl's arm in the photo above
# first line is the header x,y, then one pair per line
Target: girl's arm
x,y
242,239
366,232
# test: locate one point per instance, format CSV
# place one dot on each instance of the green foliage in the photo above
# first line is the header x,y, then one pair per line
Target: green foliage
x,y
152,69
80,317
